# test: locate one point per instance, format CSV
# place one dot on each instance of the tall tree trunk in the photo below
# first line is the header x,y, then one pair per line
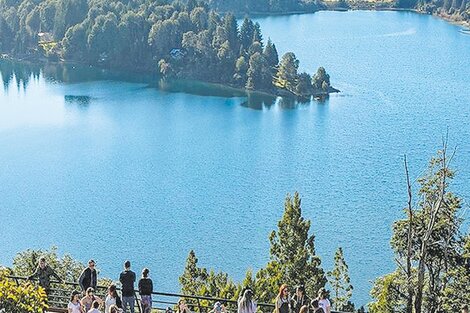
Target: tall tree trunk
x,y
409,303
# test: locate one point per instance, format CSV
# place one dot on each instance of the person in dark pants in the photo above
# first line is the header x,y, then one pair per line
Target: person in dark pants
x,y
127,279
145,291
88,278
299,299
43,273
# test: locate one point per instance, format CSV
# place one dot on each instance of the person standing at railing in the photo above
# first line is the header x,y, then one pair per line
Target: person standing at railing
x,y
127,279
88,278
245,302
74,305
145,291
43,273
299,299
283,300
112,298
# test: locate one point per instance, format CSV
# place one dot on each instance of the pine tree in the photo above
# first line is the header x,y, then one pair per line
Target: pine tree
x,y
340,283
193,278
257,36
293,258
270,53
287,73
246,33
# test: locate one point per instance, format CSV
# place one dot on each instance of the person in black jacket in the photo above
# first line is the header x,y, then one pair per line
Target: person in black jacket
x,y
127,279
145,291
43,273
88,278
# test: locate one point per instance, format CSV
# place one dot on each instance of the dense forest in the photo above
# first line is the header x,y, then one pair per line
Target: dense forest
x,y
265,6
182,39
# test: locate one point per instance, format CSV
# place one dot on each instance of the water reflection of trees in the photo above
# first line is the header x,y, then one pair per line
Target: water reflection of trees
x,y
22,73
14,72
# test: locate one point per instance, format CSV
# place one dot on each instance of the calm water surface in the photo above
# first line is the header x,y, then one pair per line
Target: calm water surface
x,y
110,167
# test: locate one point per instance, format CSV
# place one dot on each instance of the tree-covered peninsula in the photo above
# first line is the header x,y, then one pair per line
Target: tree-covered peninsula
x,y
180,39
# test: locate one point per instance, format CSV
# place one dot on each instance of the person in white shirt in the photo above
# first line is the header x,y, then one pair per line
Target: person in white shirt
x,y
323,301
94,307
74,305
246,303
112,299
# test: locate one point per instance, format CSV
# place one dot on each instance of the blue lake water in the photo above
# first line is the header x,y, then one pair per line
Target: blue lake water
x,y
110,167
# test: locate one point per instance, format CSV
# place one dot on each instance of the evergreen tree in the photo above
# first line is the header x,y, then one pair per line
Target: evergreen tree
x,y
258,75
257,36
287,73
270,53
293,257
193,278
246,33
241,67
321,80
304,86
340,283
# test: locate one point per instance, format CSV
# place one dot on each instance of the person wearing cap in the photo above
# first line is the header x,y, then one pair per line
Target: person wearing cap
x,y
299,299
89,298
43,273
127,279
74,305
88,278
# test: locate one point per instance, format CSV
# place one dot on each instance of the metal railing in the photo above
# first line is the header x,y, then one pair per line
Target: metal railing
x,y
59,296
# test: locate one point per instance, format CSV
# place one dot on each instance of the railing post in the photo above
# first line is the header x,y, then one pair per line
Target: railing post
x,y
199,306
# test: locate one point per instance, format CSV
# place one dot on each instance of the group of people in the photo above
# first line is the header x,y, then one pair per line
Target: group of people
x,y
300,302
87,301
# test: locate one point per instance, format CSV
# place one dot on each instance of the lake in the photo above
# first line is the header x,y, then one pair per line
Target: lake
x,y
114,167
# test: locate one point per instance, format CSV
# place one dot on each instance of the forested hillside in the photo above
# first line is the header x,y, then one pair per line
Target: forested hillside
x,y
183,39
265,6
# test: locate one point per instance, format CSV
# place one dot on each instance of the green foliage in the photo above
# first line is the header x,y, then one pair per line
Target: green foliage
x,y
69,269
25,298
340,283
435,227
193,278
321,80
293,249
193,40
287,73
259,75
293,261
